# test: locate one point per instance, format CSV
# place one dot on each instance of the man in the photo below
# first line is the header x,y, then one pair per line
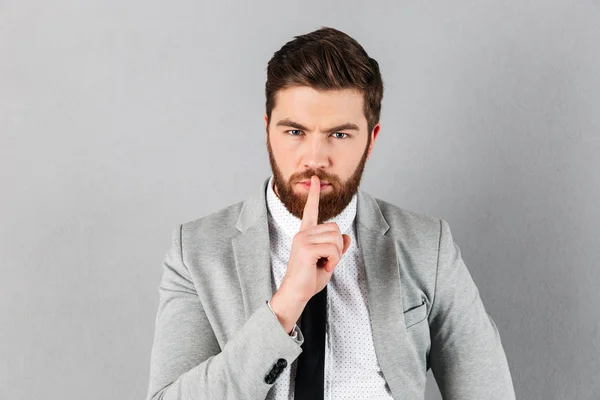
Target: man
x,y
312,288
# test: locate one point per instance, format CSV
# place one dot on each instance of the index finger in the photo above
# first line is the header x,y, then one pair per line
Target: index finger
x,y
311,208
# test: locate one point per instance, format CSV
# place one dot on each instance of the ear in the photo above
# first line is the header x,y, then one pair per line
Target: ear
x,y
266,126
373,138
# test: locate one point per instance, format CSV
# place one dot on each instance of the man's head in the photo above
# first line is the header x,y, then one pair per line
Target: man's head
x,y
323,102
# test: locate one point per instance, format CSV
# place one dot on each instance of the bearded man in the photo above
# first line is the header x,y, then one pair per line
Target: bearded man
x,y
312,288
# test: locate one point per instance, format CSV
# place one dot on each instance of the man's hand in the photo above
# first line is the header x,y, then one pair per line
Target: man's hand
x,y
316,250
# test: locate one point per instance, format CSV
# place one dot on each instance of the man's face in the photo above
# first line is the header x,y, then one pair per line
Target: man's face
x,y
318,133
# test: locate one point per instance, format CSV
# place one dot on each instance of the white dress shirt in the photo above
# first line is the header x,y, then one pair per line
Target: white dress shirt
x,y
351,367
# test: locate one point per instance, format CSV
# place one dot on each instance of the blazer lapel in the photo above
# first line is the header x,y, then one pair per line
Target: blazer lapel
x,y
252,252
385,296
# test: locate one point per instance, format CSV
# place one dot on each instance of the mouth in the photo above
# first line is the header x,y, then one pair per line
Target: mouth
x,y
306,184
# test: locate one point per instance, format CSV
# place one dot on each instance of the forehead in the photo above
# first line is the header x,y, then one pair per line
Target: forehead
x,y
307,105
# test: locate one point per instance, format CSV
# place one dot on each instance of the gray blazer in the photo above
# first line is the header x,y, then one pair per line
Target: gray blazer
x,y
216,338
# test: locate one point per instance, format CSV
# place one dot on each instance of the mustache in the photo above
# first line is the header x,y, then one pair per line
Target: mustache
x,y
323,176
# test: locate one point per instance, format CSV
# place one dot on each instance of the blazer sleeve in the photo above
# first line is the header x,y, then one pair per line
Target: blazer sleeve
x,y
466,356
187,362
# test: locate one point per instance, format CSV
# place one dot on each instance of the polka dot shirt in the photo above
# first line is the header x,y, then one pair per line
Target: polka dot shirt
x,y
351,368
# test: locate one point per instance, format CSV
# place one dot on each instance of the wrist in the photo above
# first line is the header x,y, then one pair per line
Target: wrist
x,y
287,308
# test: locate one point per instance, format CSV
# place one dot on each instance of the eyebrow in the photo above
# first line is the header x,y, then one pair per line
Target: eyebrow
x,y
347,126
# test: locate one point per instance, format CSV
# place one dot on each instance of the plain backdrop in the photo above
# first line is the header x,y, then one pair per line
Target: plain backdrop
x,y
121,119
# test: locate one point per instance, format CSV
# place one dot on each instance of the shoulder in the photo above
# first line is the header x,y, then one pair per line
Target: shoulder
x,y
408,225
218,225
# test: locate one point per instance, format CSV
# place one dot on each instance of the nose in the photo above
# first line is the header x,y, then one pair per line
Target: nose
x,y
315,154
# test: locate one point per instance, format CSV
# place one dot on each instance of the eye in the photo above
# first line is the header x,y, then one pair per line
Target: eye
x,y
340,133
294,130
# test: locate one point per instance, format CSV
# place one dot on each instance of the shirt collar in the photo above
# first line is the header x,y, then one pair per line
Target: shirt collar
x,y
290,224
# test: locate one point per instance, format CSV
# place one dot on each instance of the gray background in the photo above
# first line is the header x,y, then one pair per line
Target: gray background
x,y
120,120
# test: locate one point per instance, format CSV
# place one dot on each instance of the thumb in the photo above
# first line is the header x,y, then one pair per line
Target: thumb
x,y
347,242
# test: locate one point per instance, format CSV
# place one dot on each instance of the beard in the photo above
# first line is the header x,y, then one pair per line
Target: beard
x,y
331,203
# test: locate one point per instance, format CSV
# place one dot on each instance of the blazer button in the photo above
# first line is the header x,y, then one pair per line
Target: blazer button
x,y
269,379
281,363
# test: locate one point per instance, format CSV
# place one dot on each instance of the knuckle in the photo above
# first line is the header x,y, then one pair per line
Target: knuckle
x,y
300,237
337,239
333,248
335,259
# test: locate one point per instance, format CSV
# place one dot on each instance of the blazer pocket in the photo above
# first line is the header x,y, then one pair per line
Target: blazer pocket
x,y
415,314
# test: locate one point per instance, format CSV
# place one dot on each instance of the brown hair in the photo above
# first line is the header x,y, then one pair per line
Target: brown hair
x,y
326,59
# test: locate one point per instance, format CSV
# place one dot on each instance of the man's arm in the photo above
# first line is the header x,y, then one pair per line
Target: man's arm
x,y
187,362
466,356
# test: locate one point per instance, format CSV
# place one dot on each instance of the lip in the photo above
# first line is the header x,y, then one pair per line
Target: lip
x,y
306,184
